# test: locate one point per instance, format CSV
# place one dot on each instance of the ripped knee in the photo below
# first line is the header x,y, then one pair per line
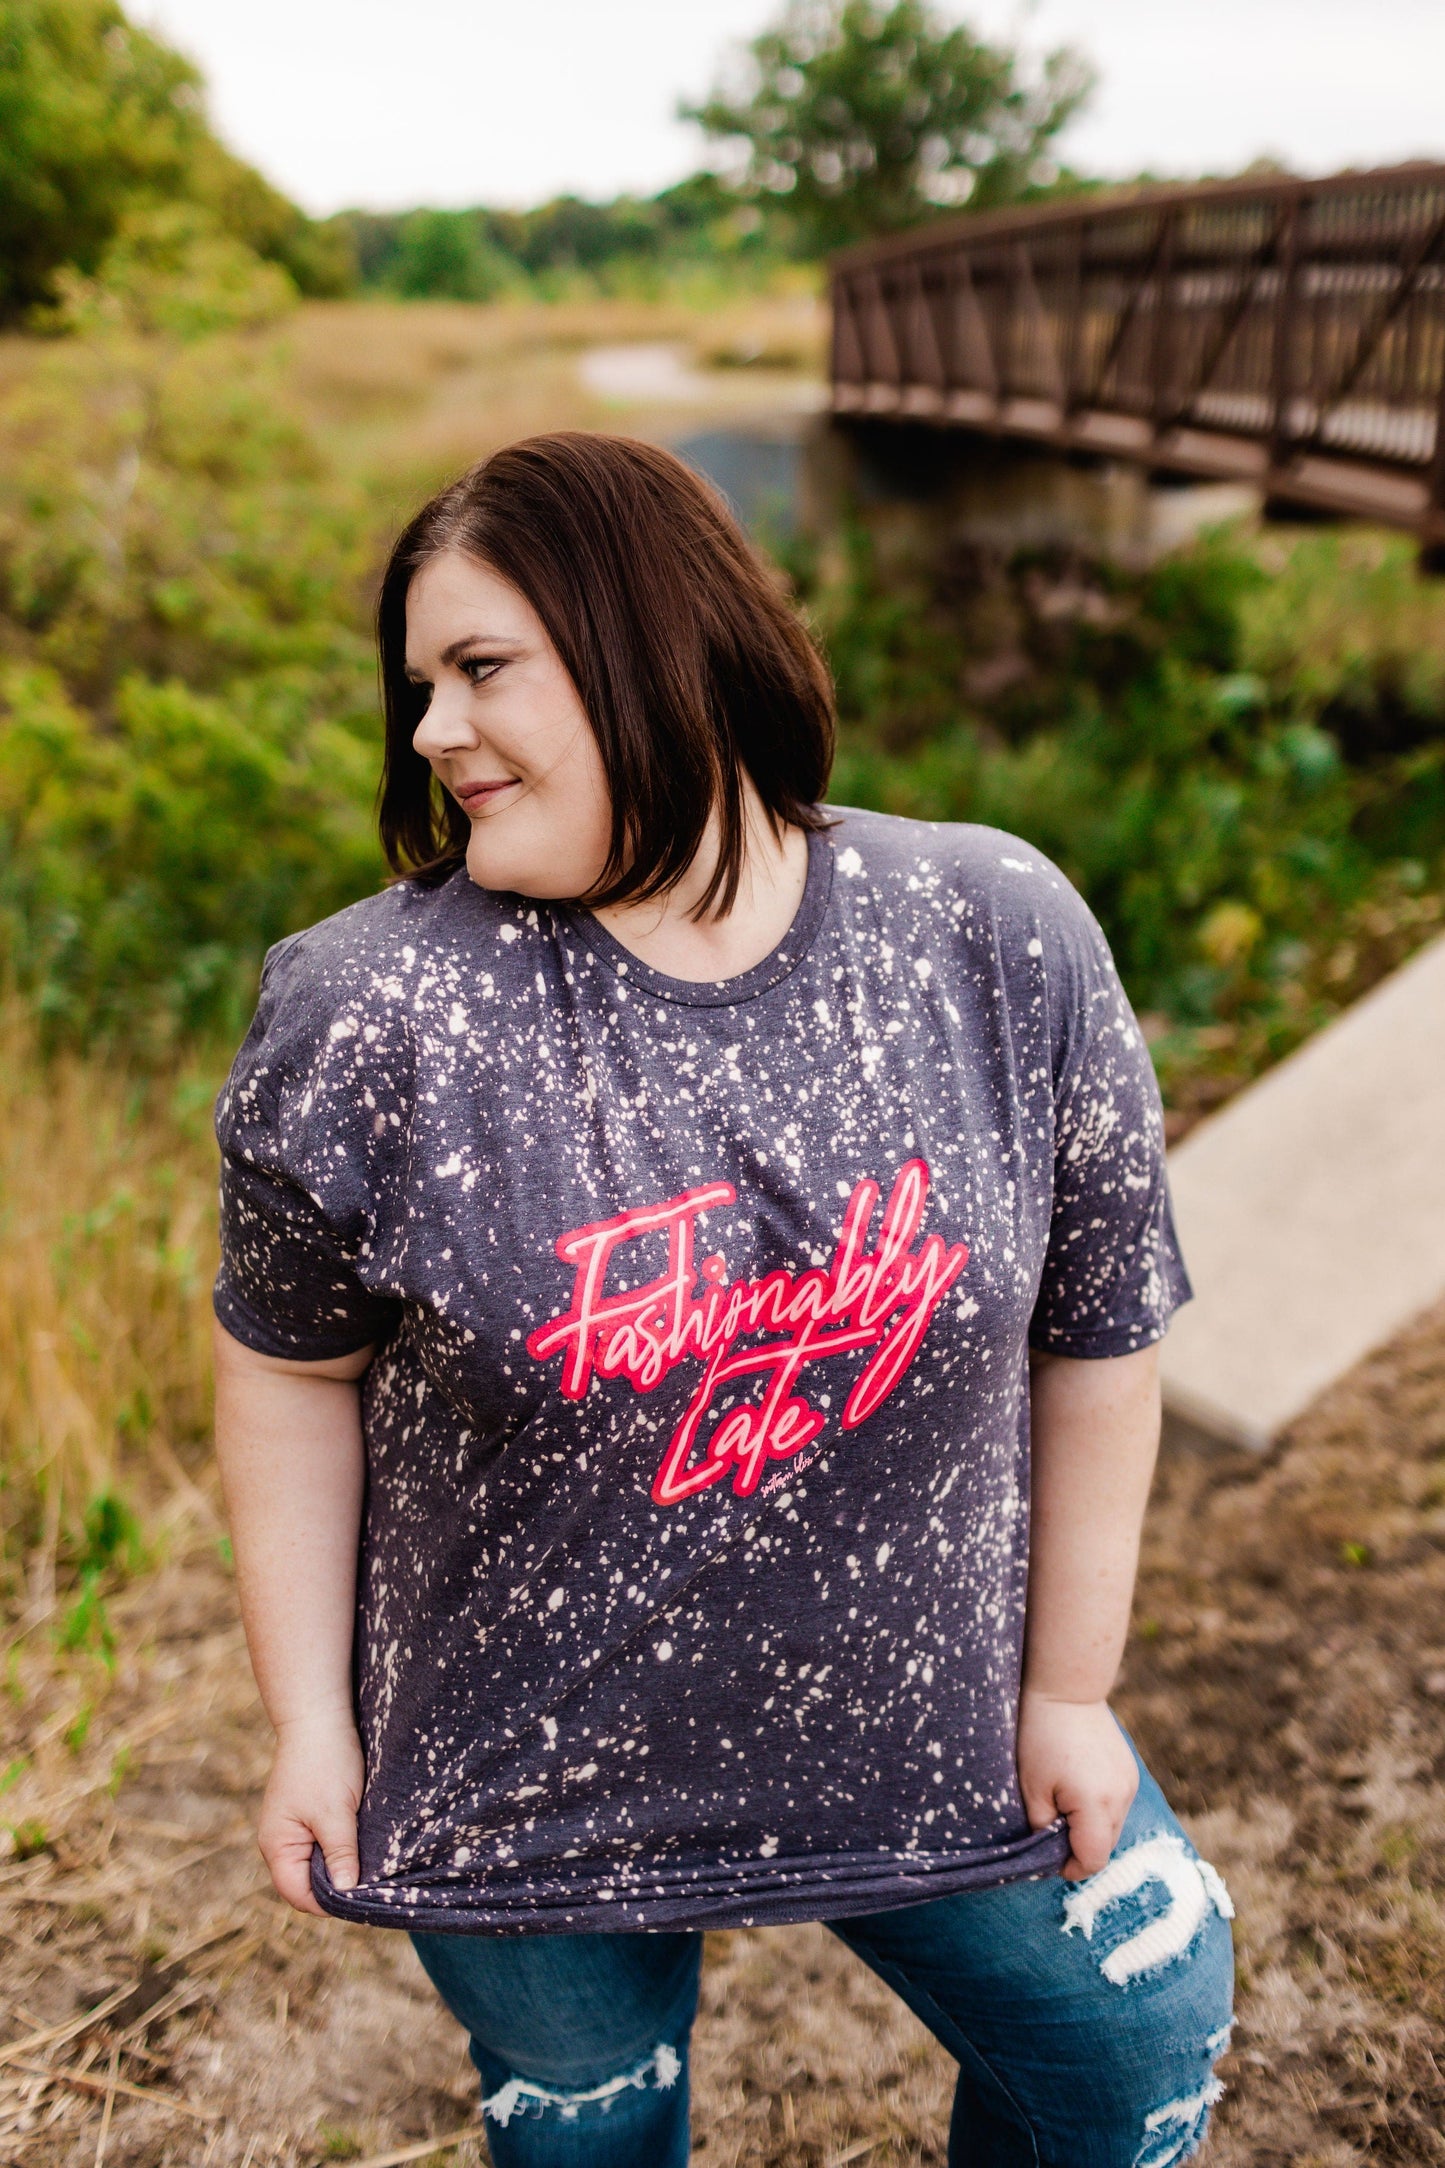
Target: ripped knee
x,y
1175,2131
658,2072
1192,1889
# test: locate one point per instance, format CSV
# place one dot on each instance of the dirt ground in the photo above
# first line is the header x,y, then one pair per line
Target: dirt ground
x,y
1286,1679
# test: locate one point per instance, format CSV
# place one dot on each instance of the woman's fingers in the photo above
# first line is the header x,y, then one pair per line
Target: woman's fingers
x,y
1094,1826
287,1852
1094,1821
1074,1761
287,1842
336,1835
1041,1804
311,1798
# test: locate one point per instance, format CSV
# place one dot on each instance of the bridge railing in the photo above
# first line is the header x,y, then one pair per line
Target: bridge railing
x,y
1289,333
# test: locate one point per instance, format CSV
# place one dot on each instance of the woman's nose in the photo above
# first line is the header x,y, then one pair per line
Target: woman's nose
x,y
446,726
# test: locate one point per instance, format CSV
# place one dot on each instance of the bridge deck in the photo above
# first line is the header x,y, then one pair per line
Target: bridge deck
x,y
1287,333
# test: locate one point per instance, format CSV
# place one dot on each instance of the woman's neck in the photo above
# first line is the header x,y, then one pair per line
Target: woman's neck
x,y
663,933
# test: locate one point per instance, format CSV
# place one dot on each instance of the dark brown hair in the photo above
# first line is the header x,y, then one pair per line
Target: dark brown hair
x,y
691,665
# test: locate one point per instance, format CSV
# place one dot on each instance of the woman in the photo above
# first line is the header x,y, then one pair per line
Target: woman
x,y
636,1224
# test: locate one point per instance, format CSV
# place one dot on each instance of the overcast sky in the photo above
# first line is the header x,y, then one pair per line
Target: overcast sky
x,y
376,103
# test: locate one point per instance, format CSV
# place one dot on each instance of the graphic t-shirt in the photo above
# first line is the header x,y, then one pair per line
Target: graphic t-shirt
x,y
696,1532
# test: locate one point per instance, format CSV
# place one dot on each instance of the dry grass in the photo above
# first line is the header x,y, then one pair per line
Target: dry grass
x,y
410,395
1288,1682
404,396
105,1264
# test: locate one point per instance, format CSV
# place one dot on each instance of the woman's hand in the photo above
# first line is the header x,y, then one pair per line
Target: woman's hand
x,y
311,1798
1075,1761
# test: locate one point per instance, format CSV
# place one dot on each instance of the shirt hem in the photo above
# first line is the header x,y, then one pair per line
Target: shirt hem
x,y
244,1324
1111,1340
796,1895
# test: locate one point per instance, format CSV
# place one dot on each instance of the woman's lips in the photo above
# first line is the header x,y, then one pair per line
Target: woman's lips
x,y
476,795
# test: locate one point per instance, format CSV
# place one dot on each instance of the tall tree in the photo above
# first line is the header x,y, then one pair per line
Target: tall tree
x,y
98,120
92,112
866,118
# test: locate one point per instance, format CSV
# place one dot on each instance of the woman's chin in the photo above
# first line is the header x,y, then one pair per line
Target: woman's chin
x,y
513,873
487,869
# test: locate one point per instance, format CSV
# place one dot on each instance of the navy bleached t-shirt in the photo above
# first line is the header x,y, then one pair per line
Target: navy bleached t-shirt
x,y
695,1547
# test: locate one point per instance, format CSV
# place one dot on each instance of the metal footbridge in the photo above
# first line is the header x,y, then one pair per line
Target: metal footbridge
x,y
1286,333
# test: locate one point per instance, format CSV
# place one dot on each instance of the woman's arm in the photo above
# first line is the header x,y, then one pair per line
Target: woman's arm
x,y
1095,1438
288,1440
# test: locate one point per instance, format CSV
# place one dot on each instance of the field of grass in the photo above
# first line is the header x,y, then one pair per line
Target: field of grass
x,y
411,395
107,1249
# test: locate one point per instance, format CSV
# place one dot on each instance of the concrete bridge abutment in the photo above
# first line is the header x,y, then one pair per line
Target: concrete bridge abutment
x,y
923,494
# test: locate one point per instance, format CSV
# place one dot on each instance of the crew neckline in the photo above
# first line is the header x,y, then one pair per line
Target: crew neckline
x,y
773,968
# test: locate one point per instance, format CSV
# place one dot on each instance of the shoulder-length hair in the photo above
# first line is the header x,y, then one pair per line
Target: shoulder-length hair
x,y
692,667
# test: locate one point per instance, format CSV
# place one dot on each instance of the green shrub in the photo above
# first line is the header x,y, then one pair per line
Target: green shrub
x,y
447,254
1240,762
100,124
188,732
150,859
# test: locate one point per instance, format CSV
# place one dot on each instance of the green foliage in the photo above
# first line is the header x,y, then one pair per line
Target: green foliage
x,y
188,735
316,254
447,254
478,254
866,118
1343,629
93,115
101,125
86,1624
111,1547
150,858
112,1537
169,269
28,1839
337,2143
1175,741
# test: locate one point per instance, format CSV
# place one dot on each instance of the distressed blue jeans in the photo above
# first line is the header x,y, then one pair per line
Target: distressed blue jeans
x,y
1085,2017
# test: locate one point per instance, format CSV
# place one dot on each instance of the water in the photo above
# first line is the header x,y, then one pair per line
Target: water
x,y
760,473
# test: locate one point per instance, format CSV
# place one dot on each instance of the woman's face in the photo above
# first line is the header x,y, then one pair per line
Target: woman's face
x,y
505,732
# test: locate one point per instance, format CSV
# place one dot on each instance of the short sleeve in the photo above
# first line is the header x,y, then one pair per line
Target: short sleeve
x,y
1113,1275
309,1123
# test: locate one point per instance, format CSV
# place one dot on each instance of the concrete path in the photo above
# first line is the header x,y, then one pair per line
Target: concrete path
x,y
1312,1213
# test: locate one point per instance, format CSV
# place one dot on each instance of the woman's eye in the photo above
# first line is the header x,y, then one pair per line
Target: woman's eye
x,y
478,668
